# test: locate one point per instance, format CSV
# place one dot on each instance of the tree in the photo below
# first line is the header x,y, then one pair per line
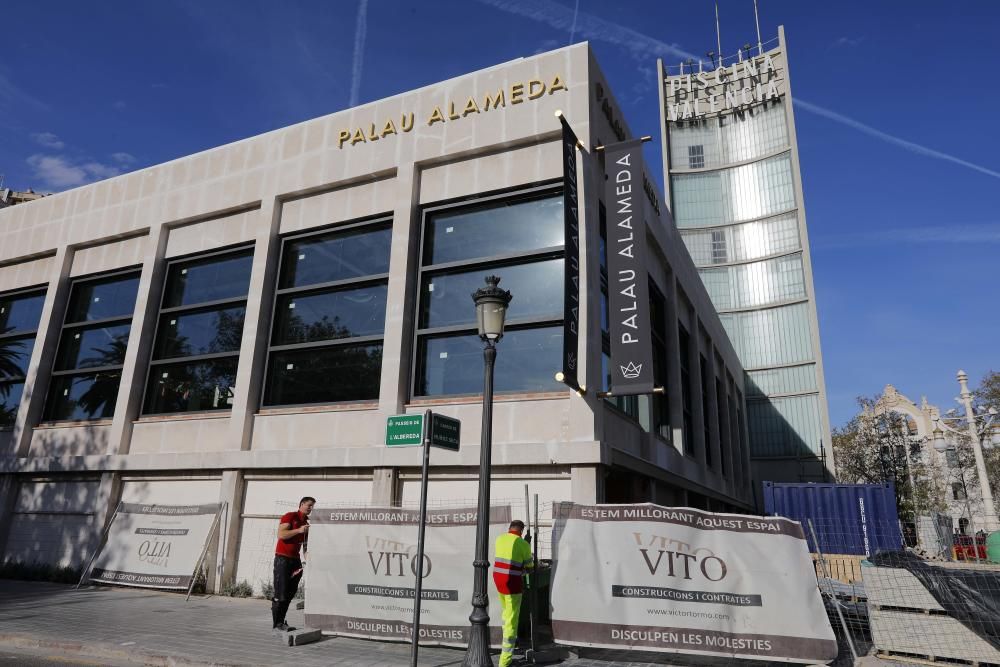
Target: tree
x,y
876,446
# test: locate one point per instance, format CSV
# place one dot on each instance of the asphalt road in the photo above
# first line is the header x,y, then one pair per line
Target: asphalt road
x,y
47,657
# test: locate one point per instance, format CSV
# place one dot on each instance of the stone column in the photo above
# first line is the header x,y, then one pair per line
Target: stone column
x,y
36,382
384,485
226,551
256,324
8,501
140,342
397,345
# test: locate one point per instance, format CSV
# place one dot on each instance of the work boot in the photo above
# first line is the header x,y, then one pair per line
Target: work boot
x,y
283,627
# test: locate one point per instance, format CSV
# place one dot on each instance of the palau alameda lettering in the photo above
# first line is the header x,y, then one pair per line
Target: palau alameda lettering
x,y
686,581
628,289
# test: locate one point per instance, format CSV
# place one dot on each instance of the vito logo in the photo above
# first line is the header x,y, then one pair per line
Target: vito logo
x,y
390,558
674,558
632,370
154,552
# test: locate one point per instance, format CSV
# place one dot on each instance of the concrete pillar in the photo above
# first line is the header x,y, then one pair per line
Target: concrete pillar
x,y
587,484
8,500
397,345
140,342
36,382
256,325
226,551
385,482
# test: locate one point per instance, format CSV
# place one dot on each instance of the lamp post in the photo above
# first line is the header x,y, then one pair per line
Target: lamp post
x,y
491,308
983,433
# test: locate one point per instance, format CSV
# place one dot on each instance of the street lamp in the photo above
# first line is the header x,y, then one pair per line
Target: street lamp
x,y
983,433
491,309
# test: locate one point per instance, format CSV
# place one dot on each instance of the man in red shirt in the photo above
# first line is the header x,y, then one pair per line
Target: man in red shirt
x,y
293,530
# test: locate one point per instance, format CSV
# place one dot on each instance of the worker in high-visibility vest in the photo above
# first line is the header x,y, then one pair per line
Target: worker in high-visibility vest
x,y
513,559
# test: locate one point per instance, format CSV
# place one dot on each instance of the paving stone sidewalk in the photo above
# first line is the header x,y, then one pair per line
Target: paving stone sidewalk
x,y
149,627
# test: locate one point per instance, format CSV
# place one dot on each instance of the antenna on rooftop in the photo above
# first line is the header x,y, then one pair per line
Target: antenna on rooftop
x,y
718,33
756,19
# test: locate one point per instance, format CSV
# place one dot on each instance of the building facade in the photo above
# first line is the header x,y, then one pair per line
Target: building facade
x,y
731,168
236,326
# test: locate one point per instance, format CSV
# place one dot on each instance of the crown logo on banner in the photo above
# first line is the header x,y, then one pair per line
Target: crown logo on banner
x,y
631,371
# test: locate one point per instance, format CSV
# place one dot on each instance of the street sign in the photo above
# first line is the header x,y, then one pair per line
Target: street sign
x,y
445,432
404,431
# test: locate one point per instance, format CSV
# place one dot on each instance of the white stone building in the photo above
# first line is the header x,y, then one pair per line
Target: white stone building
x,y
236,325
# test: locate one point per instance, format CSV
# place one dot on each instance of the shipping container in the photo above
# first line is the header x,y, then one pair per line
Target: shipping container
x,y
859,519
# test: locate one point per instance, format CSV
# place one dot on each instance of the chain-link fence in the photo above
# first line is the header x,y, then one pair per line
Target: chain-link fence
x,y
908,596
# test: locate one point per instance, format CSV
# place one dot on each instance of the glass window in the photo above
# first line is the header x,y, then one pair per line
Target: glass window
x,y
90,357
347,313
521,240
103,299
696,156
93,347
19,315
325,375
493,229
20,312
328,258
191,387
83,397
705,414
326,340
771,337
10,401
684,343
787,426
212,278
538,286
749,191
199,333
737,137
744,242
454,364
756,284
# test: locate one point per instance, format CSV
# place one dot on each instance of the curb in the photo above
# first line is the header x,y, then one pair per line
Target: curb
x,y
107,651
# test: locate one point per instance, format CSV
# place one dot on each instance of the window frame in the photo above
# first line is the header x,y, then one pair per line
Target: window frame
x,y
535,192
382,220
152,363
68,327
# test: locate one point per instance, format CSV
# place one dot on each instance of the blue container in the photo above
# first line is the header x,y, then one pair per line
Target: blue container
x,y
860,519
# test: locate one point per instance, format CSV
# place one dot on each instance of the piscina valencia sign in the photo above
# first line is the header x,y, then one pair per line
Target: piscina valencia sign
x,y
680,580
711,92
362,569
154,546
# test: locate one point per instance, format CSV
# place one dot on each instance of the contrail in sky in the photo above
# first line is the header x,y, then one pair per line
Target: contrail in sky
x,y
888,138
598,29
576,12
359,51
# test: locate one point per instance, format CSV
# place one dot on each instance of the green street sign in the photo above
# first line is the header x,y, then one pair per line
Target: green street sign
x,y
445,432
404,431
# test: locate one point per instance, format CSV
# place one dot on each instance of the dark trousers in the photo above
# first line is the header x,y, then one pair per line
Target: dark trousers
x,y
285,586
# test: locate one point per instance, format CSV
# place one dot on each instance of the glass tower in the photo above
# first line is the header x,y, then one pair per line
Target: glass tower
x,y
731,167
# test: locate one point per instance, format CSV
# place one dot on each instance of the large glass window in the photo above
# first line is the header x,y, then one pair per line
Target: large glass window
x,y
787,426
746,192
19,315
519,239
756,284
744,242
729,138
772,336
91,354
329,317
198,334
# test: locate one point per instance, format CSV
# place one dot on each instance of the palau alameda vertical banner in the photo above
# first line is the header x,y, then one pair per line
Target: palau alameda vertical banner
x,y
571,291
628,289
680,580
154,546
361,570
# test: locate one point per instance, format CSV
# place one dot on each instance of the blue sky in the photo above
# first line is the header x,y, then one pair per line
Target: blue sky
x,y
896,125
